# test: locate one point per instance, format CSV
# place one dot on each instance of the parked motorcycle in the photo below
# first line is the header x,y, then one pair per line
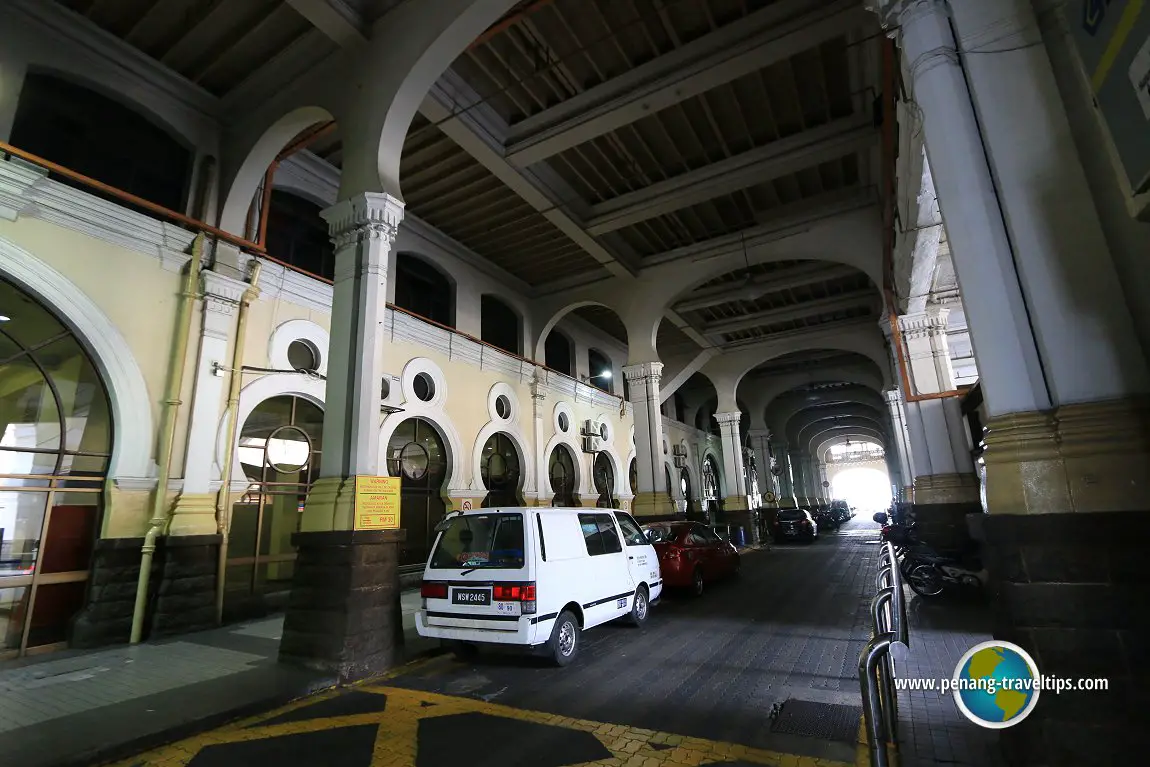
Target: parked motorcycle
x,y
929,573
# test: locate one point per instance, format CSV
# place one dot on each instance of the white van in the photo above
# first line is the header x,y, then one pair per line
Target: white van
x,y
535,577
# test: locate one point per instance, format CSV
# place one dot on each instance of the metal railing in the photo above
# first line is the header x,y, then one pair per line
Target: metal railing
x,y
891,638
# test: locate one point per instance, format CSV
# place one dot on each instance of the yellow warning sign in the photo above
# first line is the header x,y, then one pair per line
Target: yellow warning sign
x,y
377,503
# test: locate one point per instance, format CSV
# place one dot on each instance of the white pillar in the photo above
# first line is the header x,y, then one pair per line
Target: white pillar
x,y
798,486
194,512
543,492
760,441
732,453
899,441
362,230
643,387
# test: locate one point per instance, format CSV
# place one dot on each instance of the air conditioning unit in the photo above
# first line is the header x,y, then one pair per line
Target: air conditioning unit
x,y
592,429
680,462
592,444
679,449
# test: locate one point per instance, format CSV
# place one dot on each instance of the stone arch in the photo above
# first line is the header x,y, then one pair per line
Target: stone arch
x,y
839,439
251,395
863,341
803,433
556,316
803,418
249,174
720,480
133,434
852,432
515,434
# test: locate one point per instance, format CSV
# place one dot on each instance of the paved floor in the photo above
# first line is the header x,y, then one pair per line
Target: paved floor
x,y
761,670
59,708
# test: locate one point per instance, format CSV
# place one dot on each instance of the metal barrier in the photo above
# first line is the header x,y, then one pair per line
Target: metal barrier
x,y
876,662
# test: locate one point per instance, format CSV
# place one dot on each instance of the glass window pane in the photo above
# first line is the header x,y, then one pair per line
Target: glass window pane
x,y
242,536
280,522
18,463
310,418
274,576
82,397
28,412
29,322
21,520
56,603
13,609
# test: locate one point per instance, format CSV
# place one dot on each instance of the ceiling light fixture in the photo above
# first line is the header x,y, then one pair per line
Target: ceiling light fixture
x,y
4,318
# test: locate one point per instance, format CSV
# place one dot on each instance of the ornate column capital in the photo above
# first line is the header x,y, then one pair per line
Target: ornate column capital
x,y
369,216
759,434
893,396
926,324
642,371
897,13
725,419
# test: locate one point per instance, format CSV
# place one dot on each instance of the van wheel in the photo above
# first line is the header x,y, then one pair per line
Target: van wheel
x,y
564,643
697,584
640,607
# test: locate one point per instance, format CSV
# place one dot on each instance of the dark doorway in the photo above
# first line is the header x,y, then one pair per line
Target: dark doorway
x,y
605,481
561,471
599,367
298,236
416,454
501,473
558,353
422,289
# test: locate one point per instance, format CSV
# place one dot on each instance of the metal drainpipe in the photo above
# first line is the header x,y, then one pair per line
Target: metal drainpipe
x,y
177,364
223,496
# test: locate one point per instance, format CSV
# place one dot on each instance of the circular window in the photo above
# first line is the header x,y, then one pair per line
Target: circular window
x,y
413,460
385,388
503,407
302,355
564,422
603,433
424,387
288,449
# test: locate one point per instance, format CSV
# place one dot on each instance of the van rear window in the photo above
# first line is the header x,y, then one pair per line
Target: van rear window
x,y
491,541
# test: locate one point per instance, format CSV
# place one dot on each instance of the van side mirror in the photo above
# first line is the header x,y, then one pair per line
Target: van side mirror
x,y
880,517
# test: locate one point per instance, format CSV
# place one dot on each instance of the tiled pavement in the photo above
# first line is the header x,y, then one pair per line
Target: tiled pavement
x,y
699,685
55,709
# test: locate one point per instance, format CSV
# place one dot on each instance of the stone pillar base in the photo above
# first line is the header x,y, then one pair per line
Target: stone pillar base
x,y
194,514
653,505
788,502
1071,590
462,502
186,592
107,618
734,503
942,503
330,505
344,616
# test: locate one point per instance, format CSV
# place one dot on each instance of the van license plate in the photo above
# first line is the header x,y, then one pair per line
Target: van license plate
x,y
471,596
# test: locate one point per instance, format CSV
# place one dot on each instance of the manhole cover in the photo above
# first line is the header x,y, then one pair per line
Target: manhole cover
x,y
826,721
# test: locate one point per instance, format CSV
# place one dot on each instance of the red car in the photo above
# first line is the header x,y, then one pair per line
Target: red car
x,y
691,555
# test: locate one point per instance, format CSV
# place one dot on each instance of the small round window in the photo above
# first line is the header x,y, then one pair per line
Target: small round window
x,y
564,422
385,388
424,387
288,449
603,433
302,356
503,407
413,460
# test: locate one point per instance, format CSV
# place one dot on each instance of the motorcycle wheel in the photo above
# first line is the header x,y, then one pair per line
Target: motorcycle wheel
x,y
925,580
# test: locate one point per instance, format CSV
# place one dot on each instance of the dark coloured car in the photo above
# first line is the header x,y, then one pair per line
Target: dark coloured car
x,y
795,525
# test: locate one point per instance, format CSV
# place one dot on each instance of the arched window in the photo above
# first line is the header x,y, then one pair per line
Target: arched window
x,y
500,471
561,471
685,484
500,325
605,481
279,451
422,289
99,137
600,370
298,236
633,476
55,433
416,454
558,353
670,484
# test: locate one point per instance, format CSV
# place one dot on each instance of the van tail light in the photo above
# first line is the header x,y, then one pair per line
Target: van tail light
x,y
523,593
432,590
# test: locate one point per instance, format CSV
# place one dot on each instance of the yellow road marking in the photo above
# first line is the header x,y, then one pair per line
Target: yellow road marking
x,y
396,739
1114,47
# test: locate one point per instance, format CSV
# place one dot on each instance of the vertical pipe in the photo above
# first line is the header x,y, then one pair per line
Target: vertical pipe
x,y
177,364
223,496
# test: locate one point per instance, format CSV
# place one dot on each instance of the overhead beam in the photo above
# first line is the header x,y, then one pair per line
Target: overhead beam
x,y
798,312
672,383
773,34
335,18
771,282
766,163
462,127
